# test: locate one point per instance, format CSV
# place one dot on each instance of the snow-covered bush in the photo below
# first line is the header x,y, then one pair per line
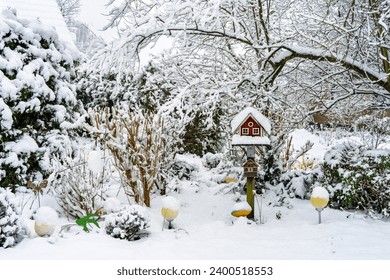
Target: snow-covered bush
x,y
127,224
136,142
10,229
298,183
212,160
181,169
36,98
373,131
78,186
99,91
358,178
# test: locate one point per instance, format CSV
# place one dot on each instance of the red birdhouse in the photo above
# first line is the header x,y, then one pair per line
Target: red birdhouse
x,y
251,128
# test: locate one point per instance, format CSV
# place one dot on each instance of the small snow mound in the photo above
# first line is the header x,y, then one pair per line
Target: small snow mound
x,y
111,205
170,202
320,192
46,215
96,161
241,206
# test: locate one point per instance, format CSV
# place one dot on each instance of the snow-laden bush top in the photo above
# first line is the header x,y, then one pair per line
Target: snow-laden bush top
x,y
37,97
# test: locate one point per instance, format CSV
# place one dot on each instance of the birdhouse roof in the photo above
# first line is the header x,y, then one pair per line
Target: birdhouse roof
x,y
251,162
241,117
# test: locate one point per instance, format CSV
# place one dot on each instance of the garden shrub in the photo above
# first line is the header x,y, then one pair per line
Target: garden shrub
x,y
358,178
10,229
37,99
127,224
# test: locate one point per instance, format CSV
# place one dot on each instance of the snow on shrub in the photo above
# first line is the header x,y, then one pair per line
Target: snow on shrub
x,y
10,229
212,160
358,178
128,223
78,186
36,98
298,183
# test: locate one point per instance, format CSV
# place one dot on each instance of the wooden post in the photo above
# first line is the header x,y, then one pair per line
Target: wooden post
x,y
250,184
250,198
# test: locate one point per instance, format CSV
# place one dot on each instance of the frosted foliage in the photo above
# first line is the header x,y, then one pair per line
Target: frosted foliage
x,y
5,115
36,96
128,223
296,56
10,230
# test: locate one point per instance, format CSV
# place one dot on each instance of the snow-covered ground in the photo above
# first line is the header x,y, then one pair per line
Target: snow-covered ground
x,y
205,229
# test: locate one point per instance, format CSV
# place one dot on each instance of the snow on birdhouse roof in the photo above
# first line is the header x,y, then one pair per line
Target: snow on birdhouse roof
x,y
239,140
45,11
250,111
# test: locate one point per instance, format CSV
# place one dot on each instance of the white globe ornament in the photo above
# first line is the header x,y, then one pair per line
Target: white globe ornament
x,y
46,219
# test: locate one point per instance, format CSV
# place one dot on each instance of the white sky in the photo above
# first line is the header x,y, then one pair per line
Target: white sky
x,y
92,14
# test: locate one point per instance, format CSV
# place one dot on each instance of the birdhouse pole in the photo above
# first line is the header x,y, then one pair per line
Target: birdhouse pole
x,y
250,197
250,182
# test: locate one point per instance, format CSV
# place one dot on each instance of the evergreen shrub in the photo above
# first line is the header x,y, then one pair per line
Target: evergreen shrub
x,y
128,224
358,178
37,98
10,229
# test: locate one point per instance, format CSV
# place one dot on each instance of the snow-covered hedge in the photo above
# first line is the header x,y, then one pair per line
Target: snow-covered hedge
x,y
358,178
128,223
36,98
10,229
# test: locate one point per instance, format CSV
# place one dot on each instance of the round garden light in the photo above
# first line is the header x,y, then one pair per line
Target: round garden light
x,y
319,199
241,209
46,219
170,209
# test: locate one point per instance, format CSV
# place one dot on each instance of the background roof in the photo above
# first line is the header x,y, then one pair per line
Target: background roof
x,y
46,11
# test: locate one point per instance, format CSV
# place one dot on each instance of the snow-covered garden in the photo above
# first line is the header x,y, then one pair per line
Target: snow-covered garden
x,y
102,157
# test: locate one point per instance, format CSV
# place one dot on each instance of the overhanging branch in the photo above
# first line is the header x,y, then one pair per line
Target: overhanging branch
x,y
289,53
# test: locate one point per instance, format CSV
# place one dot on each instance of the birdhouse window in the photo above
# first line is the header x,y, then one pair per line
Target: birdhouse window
x,y
256,131
245,131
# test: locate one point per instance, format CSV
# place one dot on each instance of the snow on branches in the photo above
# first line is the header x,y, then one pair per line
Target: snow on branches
x,y
136,143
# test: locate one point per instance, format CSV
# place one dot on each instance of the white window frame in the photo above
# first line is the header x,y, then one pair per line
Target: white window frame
x,y
243,130
256,131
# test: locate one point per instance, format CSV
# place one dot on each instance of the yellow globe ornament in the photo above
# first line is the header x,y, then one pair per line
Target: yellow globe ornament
x,y
319,199
170,209
241,209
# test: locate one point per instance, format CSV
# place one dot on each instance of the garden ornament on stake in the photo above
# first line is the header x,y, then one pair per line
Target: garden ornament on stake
x,y
170,209
319,199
